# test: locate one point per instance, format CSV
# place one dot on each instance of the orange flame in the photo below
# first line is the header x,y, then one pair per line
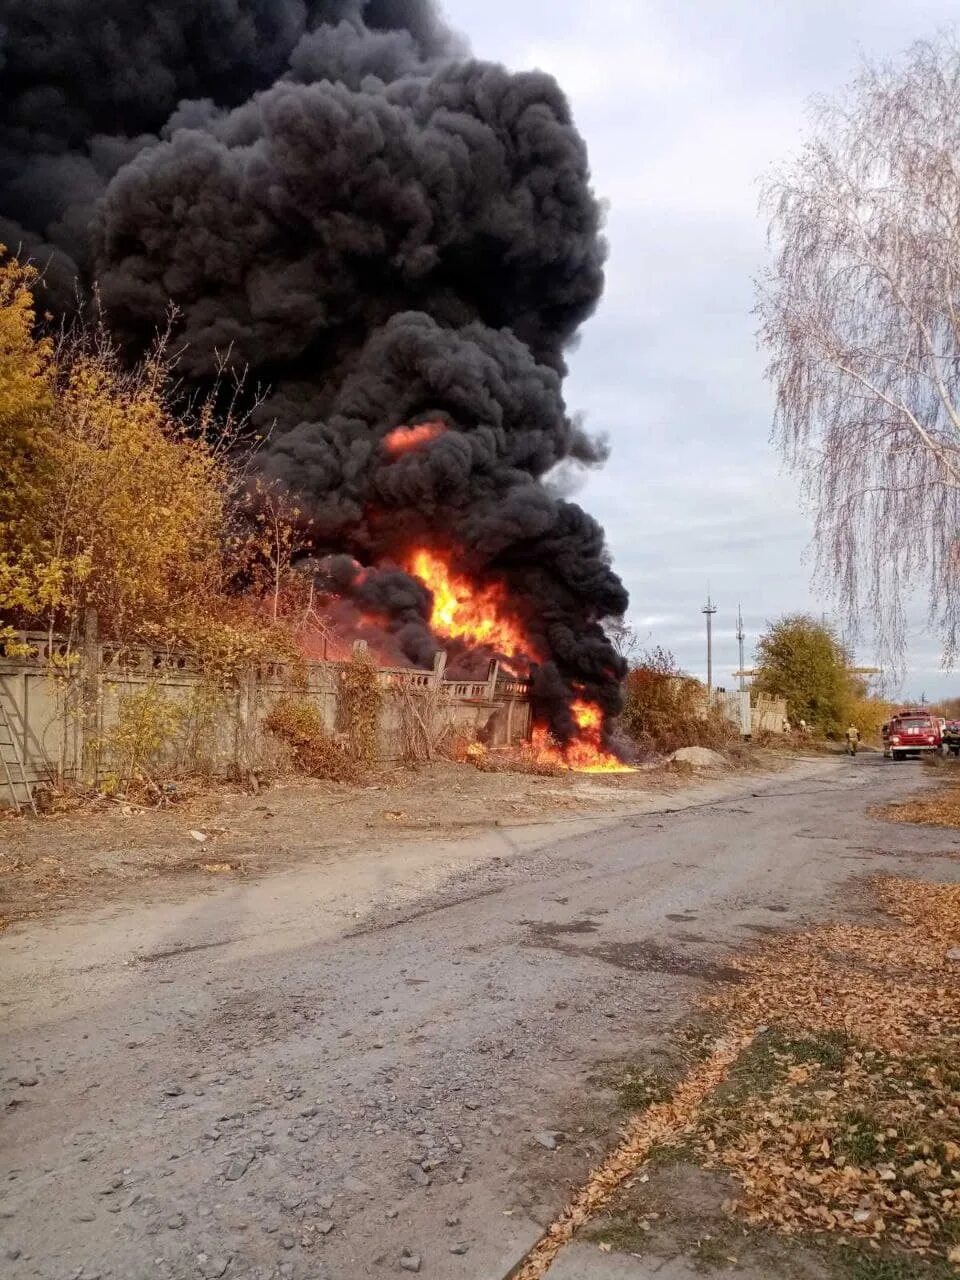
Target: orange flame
x,y
584,754
464,612
404,439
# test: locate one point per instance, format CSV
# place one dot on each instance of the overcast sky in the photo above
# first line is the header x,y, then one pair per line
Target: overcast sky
x,y
684,105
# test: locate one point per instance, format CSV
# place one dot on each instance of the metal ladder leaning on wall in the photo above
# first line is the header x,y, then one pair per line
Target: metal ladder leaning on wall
x,y
12,771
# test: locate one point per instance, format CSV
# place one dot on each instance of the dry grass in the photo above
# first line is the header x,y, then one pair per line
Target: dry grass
x,y
424,726
665,710
521,759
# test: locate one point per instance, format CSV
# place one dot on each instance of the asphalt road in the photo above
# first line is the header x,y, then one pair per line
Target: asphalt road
x,y
307,1076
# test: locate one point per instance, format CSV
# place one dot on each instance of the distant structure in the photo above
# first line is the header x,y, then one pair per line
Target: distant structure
x,y
709,609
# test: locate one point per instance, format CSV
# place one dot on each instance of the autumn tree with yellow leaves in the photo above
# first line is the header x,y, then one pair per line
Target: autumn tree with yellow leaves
x,y
27,438
114,497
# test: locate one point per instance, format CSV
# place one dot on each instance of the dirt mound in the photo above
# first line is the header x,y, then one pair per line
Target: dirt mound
x,y
702,757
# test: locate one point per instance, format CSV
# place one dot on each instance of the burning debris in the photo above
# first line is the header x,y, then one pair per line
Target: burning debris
x,y
585,750
401,241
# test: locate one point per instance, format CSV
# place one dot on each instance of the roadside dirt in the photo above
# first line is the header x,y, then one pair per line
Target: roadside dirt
x,y
827,1140
109,848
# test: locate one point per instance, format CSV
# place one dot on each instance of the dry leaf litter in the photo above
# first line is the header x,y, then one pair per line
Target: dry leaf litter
x,y
938,809
840,1067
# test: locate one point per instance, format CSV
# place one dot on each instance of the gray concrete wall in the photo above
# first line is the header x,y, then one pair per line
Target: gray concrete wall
x,y
769,714
64,709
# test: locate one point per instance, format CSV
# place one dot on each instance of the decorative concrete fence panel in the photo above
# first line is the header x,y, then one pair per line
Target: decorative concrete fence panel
x,y
44,727
202,720
72,714
769,714
736,708
752,713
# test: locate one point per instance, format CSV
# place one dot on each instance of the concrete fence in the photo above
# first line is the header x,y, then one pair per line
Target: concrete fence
x,y
65,710
769,714
752,713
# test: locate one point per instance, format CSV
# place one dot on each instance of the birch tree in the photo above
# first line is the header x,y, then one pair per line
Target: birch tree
x,y
860,313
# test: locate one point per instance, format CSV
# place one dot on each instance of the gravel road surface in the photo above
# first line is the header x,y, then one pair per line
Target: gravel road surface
x,y
393,1064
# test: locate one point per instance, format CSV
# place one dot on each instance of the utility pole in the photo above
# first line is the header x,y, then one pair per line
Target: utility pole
x,y
709,610
740,640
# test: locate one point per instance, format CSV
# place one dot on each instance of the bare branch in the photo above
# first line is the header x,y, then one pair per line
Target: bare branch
x,y
860,314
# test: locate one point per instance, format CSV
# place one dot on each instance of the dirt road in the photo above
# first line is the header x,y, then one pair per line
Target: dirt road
x,y
398,1060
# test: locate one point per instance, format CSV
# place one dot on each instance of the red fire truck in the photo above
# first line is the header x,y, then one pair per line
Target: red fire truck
x,y
911,733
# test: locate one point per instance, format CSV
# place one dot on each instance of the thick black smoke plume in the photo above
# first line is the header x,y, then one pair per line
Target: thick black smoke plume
x,y
383,229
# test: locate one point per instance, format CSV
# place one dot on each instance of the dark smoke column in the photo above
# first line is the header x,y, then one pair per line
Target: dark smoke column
x,y
385,230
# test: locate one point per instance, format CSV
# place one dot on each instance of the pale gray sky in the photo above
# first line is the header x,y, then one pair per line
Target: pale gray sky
x,y
684,105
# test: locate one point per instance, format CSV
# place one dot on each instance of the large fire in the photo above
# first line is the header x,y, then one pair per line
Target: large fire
x,y
463,611
585,753
405,439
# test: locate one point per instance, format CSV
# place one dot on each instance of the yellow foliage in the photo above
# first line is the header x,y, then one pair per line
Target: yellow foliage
x,y
227,635
26,398
26,437
868,715
146,723
133,512
114,497
108,499
266,553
